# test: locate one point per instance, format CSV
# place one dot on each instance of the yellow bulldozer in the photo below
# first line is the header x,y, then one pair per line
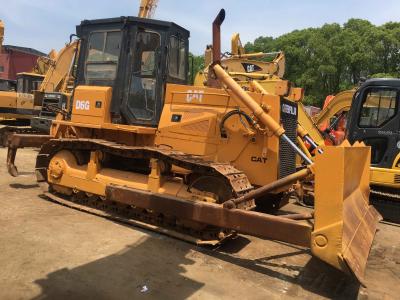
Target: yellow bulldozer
x,y
137,143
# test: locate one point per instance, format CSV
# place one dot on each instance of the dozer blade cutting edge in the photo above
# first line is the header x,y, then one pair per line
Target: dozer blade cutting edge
x,y
345,223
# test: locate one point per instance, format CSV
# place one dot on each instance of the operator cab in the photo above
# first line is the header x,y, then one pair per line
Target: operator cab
x,y
28,82
374,119
7,85
137,58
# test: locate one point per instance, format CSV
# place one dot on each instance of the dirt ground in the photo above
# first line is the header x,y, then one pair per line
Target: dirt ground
x,y
48,251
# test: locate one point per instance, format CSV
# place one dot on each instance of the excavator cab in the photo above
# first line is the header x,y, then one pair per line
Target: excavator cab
x,y
7,85
374,119
136,57
28,82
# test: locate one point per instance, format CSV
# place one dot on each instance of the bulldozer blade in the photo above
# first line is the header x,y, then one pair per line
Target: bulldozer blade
x,y
345,222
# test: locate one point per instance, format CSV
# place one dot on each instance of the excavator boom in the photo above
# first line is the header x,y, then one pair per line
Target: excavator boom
x,y
147,8
340,102
1,35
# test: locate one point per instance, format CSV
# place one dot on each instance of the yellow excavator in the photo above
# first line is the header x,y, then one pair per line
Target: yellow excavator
x,y
18,106
139,145
16,101
10,106
49,99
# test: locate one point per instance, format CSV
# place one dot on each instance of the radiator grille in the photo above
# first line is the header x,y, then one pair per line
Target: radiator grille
x,y
201,126
55,100
396,178
287,156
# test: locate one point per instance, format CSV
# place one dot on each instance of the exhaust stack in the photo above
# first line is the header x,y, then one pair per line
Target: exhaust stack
x,y
216,28
212,81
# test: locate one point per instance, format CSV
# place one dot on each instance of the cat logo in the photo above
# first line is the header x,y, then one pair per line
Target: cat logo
x,y
250,68
194,96
258,159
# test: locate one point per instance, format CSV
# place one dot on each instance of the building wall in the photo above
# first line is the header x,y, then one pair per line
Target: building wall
x,y
13,62
4,65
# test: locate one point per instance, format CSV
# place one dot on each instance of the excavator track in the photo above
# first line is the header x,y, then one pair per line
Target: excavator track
x,y
198,233
387,202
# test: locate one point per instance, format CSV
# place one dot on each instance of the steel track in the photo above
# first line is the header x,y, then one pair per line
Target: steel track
x,y
182,229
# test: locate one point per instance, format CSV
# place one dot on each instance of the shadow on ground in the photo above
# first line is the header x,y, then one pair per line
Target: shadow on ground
x,y
20,186
139,270
316,276
149,263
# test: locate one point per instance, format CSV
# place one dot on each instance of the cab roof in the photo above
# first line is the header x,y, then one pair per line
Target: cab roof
x,y
133,20
394,82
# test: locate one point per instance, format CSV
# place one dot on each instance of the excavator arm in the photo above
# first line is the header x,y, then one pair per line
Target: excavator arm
x,y
341,102
1,34
147,8
57,75
236,45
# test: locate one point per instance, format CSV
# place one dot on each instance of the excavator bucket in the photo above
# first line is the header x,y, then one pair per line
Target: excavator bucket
x,y
345,223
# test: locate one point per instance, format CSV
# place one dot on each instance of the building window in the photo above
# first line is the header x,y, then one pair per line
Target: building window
x,y
1,69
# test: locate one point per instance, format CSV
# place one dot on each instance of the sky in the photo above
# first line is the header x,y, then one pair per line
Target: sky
x,y
47,24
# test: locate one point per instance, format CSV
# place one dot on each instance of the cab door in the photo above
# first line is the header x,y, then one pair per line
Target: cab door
x,y
143,99
375,122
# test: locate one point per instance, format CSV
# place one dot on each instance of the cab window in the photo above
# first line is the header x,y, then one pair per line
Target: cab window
x,y
177,58
20,85
103,54
379,106
142,91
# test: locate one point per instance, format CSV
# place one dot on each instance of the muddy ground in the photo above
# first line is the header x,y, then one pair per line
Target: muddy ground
x,y
48,251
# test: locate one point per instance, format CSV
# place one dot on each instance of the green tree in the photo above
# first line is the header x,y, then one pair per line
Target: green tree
x,y
331,58
196,64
